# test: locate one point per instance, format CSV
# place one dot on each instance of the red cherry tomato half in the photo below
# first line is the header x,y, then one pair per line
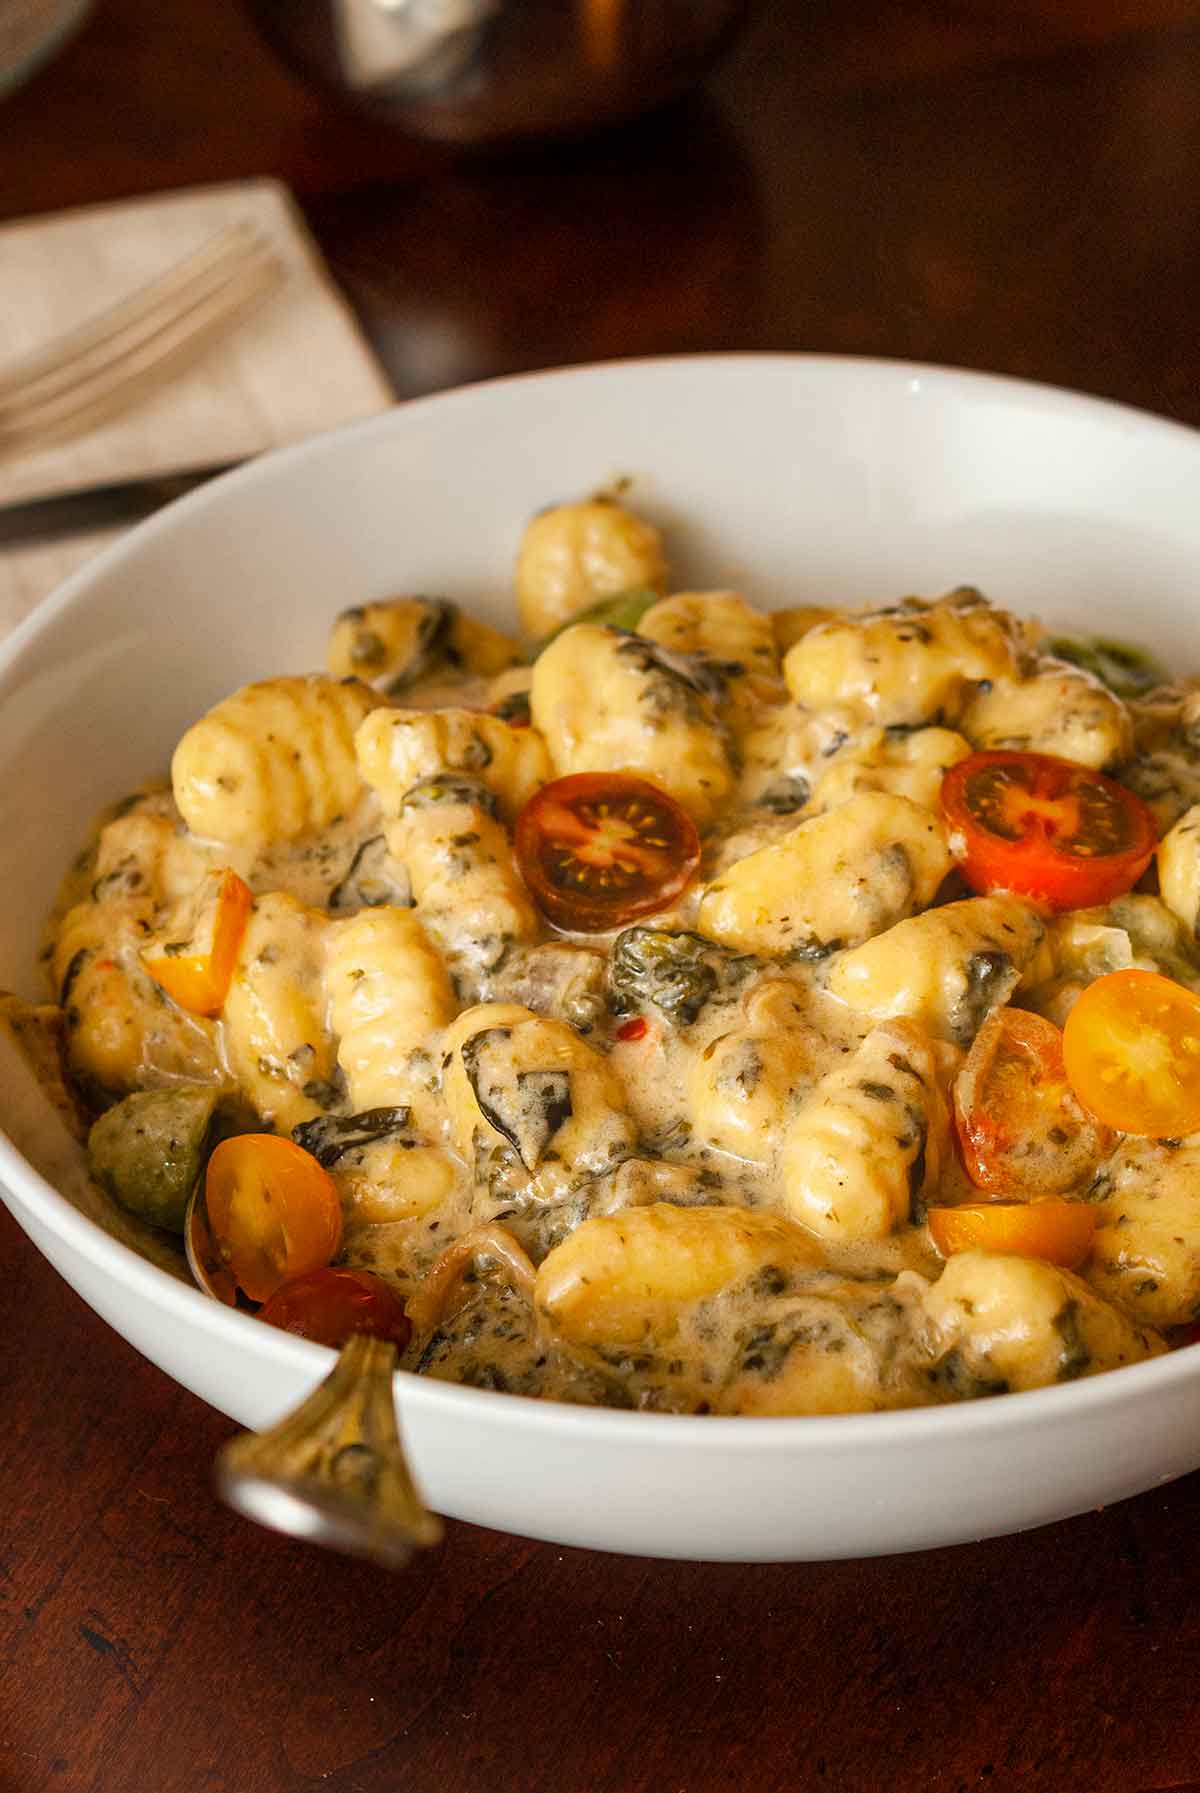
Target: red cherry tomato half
x,y
598,849
1021,1128
331,1305
1046,828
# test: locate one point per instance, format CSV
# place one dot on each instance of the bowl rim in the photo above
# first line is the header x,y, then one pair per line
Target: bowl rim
x,y
836,1433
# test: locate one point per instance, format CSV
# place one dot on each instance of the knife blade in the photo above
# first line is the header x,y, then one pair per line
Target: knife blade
x,y
108,506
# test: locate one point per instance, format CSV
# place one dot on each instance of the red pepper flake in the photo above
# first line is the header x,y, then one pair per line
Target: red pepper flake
x,y
632,1030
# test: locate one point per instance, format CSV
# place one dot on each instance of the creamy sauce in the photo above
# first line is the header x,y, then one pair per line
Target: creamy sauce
x,y
783,1040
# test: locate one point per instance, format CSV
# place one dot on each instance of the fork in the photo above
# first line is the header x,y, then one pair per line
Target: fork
x,y
115,358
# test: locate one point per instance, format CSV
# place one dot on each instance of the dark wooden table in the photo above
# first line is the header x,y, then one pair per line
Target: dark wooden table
x,y
1007,184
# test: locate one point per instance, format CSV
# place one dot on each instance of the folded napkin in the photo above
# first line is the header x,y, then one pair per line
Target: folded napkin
x,y
296,365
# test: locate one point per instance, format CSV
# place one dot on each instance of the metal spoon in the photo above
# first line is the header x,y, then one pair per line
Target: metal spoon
x,y
333,1472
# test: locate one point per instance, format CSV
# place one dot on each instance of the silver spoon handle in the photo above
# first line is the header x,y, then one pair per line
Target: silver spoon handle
x,y
333,1472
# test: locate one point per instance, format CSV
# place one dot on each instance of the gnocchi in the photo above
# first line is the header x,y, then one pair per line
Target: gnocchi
x,y
572,554
273,761
638,1092
834,881
649,710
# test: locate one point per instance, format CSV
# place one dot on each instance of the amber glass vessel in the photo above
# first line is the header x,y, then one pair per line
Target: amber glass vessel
x,y
501,71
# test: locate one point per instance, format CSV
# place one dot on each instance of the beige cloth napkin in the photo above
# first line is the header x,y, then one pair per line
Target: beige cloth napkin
x,y
296,366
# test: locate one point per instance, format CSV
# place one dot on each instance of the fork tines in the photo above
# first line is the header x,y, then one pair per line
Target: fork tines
x,y
88,373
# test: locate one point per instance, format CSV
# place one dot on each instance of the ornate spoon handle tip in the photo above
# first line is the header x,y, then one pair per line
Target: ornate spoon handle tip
x,y
334,1472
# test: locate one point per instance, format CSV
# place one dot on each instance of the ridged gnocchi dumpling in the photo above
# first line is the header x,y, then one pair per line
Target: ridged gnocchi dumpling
x,y
279,1045
389,999
831,882
1146,1252
842,1346
399,748
273,761
910,765
621,1279
387,644
720,624
723,626
394,1180
573,554
469,895
147,853
647,710
1057,709
743,1083
121,1031
996,1323
393,643
948,968
783,754
910,663
869,1140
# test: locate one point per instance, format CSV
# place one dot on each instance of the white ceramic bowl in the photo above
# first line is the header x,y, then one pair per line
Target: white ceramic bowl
x,y
807,480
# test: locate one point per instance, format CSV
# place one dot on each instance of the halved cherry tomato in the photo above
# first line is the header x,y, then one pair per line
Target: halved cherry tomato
x,y
1059,1232
1046,828
333,1304
196,969
1132,1051
598,849
1021,1127
273,1212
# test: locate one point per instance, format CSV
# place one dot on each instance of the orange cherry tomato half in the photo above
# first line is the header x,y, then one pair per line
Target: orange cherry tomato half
x,y
273,1212
1132,1051
333,1304
1046,828
1059,1232
1021,1128
195,972
598,849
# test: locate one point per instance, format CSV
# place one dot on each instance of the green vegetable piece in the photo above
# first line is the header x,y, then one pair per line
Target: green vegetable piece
x,y
514,708
449,787
149,1150
1127,670
670,970
678,973
624,610
330,1136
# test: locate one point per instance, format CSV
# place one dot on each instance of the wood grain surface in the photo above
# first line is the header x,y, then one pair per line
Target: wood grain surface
x,y
1006,184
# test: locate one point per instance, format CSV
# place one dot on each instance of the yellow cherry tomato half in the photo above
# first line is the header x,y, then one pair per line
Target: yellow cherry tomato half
x,y
273,1212
1059,1232
1132,1051
195,971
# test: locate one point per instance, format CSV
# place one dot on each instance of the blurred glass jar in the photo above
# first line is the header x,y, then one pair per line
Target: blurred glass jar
x,y
501,71
31,31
